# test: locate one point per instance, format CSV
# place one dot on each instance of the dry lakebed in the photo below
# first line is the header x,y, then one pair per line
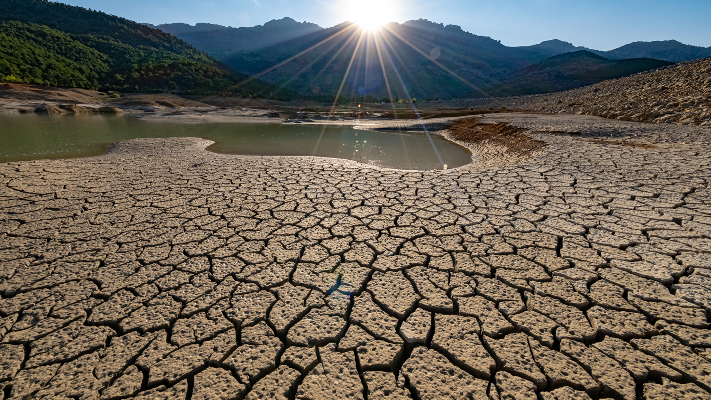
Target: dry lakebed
x,y
571,259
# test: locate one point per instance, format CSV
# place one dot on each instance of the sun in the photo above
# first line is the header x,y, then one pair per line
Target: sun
x,y
371,15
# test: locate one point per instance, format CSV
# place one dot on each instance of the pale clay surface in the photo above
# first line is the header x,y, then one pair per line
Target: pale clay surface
x,y
164,271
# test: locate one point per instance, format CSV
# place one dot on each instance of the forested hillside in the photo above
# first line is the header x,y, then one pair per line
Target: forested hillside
x,y
54,44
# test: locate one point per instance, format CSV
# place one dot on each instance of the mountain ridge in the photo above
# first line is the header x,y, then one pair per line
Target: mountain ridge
x,y
220,41
671,50
667,50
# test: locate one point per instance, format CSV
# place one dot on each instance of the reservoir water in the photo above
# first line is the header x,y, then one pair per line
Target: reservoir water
x,y
33,137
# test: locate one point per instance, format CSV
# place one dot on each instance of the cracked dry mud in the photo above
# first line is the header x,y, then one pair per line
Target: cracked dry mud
x,y
162,271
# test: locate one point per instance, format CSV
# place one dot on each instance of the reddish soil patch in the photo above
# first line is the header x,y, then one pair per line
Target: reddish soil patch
x,y
472,130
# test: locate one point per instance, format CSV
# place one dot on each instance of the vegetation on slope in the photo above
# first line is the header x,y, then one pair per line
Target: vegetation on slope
x,y
36,54
55,44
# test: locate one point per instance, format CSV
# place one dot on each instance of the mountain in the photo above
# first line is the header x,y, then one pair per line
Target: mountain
x,y
221,41
568,71
668,50
433,60
59,45
551,48
557,46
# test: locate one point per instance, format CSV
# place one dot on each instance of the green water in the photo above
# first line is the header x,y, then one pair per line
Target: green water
x,y
33,137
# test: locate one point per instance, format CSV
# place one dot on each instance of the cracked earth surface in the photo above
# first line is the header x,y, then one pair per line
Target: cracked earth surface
x,y
162,271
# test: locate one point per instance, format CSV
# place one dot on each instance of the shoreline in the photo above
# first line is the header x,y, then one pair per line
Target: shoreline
x,y
483,155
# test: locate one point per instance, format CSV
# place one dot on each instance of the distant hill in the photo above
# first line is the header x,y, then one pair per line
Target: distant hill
x,y
54,44
551,48
480,62
557,46
221,41
568,71
668,50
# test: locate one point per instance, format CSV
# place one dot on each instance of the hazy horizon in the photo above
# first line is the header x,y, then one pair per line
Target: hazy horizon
x,y
604,25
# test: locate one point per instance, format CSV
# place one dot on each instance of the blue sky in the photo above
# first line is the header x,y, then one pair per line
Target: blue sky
x,y
598,24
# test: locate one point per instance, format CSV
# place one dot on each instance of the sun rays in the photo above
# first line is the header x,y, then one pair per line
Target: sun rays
x,y
371,15
373,41
361,39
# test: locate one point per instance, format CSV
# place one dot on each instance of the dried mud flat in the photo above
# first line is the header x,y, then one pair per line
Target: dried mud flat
x,y
162,271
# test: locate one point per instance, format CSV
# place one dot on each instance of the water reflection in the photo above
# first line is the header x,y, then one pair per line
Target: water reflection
x,y
29,137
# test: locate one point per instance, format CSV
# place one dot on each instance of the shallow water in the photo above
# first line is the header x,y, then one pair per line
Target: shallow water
x,y
32,137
